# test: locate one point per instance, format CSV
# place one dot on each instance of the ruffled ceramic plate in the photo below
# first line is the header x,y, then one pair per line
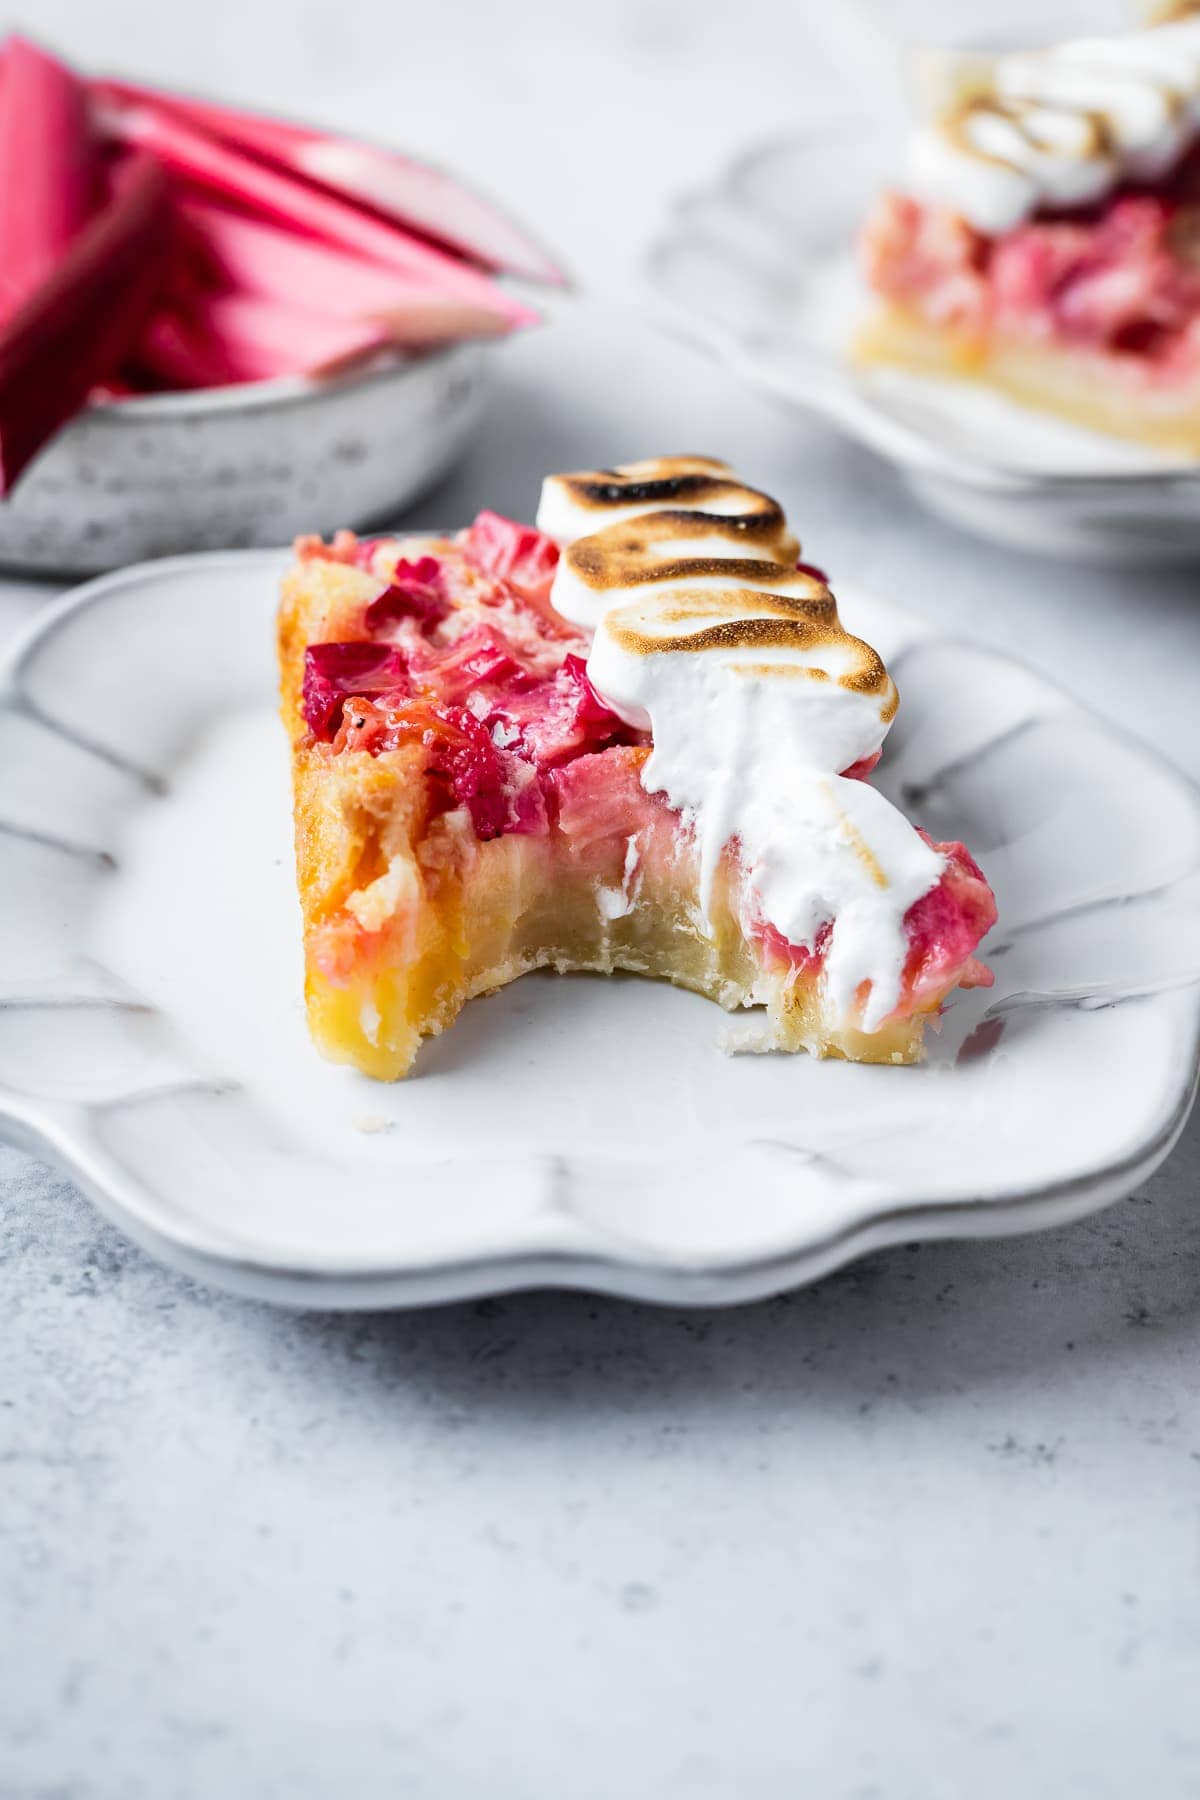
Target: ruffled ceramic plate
x,y
570,1130
759,269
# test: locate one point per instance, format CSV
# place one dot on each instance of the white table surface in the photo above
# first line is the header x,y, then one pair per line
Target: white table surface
x,y
929,1529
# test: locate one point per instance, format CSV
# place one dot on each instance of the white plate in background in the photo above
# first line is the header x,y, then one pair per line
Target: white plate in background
x,y
570,1130
759,269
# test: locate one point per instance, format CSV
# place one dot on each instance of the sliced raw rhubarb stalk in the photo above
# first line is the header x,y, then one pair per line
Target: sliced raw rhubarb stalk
x,y
229,171
47,161
239,337
79,325
410,193
174,352
245,254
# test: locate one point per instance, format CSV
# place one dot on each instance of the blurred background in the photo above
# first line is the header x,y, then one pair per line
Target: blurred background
x,y
584,118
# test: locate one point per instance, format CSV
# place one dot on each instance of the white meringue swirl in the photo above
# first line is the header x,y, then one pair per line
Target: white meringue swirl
x,y
708,635
1060,127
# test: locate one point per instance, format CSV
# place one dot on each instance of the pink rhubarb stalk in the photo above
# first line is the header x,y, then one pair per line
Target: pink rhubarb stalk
x,y
47,164
239,337
78,326
229,171
248,256
407,192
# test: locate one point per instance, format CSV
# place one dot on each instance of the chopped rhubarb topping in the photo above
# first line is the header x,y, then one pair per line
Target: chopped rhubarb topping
x,y
496,717
415,592
462,757
818,574
1121,278
590,709
462,753
563,717
344,547
865,766
945,926
334,672
800,956
927,258
479,658
518,554
601,796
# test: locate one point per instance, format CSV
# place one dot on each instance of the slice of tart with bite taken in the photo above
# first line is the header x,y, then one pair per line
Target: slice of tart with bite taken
x,y
1044,239
635,738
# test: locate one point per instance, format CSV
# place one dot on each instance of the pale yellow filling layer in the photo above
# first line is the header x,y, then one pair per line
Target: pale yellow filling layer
x,y
1081,386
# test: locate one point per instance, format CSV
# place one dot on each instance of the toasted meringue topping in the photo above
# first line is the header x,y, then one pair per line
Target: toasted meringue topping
x,y
708,635
674,518
1060,127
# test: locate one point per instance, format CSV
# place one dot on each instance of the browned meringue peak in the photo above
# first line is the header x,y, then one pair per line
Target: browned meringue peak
x,y
713,533
1165,12
683,579
670,546
784,635
757,703
982,118
577,505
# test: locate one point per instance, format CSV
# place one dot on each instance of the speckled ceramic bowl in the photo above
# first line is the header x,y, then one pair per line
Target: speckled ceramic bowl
x,y
242,466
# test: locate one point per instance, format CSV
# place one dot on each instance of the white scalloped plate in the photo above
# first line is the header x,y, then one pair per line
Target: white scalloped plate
x,y
568,1131
759,269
